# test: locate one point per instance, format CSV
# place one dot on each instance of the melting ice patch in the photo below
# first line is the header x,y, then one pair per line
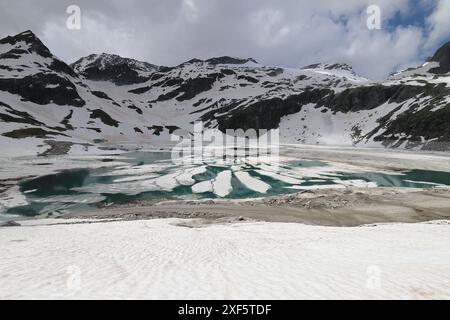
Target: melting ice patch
x,y
129,188
125,178
136,178
186,178
135,183
280,177
425,182
222,184
135,170
12,197
252,183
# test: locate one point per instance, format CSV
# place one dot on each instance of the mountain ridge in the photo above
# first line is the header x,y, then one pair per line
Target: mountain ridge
x,y
104,97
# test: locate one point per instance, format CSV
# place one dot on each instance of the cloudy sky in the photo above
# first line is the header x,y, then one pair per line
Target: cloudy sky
x,y
289,33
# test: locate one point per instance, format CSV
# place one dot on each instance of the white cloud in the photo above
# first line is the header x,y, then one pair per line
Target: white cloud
x,y
270,27
190,9
439,24
289,33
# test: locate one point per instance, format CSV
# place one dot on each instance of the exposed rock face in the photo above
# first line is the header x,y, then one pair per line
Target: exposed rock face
x,y
27,43
265,114
107,67
34,74
30,133
327,66
34,46
443,57
10,115
414,123
104,117
370,97
44,88
189,89
230,60
106,97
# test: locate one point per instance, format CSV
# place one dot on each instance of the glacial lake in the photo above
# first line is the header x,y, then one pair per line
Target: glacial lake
x,y
153,176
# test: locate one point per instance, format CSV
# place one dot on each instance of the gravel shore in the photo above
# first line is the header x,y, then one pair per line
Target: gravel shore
x,y
349,207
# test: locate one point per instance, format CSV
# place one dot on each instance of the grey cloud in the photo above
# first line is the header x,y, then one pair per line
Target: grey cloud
x,y
290,33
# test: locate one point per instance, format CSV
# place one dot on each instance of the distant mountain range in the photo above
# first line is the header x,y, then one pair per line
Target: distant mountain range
x,y
107,98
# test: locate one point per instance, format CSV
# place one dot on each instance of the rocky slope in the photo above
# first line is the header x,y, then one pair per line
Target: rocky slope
x,y
109,98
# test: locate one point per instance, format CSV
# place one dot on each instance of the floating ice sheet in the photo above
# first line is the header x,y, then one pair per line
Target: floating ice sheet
x,y
252,183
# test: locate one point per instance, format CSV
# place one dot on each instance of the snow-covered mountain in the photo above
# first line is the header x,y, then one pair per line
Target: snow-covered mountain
x,y
107,98
109,67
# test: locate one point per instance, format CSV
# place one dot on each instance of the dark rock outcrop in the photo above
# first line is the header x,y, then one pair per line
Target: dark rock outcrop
x,y
265,114
443,57
120,75
30,133
35,45
104,117
107,67
44,88
229,60
189,89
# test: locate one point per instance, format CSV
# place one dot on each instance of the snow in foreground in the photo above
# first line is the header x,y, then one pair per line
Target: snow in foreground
x,y
161,259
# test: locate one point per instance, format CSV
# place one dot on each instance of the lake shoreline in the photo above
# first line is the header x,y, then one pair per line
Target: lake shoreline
x,y
331,207
356,243
51,186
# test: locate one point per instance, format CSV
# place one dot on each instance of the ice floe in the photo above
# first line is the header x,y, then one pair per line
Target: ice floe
x,y
136,178
424,182
186,178
279,177
12,197
252,183
222,184
202,187
135,170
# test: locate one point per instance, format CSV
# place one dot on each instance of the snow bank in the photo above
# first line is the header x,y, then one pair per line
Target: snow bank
x,y
158,259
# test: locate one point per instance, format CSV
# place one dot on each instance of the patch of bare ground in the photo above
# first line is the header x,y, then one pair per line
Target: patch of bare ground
x,y
349,207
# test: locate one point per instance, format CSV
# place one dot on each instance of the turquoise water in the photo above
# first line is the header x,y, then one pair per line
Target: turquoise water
x,y
65,186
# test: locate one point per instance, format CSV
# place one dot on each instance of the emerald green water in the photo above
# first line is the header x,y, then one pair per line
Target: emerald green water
x,y
54,194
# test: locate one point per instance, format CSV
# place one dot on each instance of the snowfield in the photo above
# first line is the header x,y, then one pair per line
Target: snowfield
x,y
164,259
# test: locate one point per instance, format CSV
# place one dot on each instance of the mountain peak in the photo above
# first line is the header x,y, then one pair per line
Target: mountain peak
x,y
112,67
27,48
106,60
442,56
27,36
223,60
33,43
230,60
